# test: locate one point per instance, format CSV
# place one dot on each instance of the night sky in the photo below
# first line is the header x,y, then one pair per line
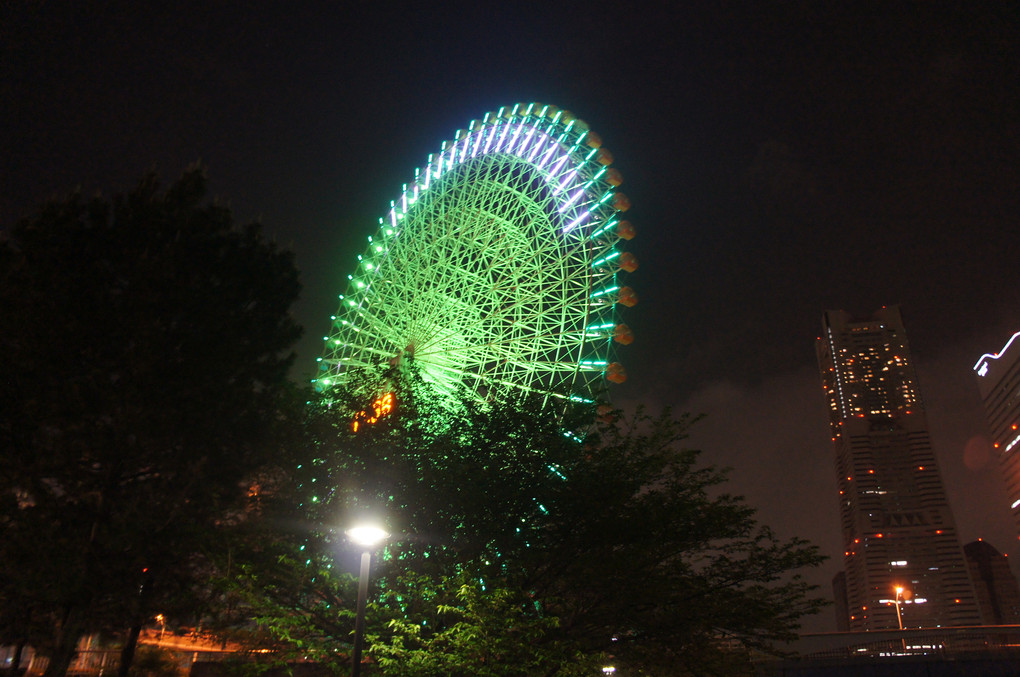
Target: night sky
x,y
782,158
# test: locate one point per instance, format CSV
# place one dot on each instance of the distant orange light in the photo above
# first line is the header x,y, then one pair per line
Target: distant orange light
x,y
381,407
920,467
871,472
879,536
938,531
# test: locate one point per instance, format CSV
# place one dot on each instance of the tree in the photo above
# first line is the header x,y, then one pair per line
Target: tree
x,y
521,532
145,343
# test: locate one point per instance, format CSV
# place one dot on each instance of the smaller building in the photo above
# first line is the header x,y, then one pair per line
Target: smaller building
x,y
998,594
842,608
998,376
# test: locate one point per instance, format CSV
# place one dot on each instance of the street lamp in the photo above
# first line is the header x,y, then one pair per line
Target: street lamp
x,y
368,537
899,599
899,616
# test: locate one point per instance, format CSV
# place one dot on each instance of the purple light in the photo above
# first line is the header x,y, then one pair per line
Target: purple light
x,y
563,184
527,140
513,139
492,135
565,205
548,154
543,139
556,167
478,141
506,128
576,221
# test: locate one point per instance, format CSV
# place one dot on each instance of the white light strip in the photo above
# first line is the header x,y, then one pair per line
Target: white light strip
x,y
995,356
1012,444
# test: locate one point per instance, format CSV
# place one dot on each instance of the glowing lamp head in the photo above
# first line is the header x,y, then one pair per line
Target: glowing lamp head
x,y
367,536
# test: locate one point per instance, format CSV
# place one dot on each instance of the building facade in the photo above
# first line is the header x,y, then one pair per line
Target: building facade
x,y
998,376
998,594
898,530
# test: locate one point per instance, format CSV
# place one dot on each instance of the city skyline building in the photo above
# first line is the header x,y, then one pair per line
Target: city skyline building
x,y
901,546
998,594
998,378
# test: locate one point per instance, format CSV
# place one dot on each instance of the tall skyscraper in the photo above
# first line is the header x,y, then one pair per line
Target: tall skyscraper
x,y
898,529
998,377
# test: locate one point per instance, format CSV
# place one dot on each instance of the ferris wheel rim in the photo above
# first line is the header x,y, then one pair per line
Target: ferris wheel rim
x,y
523,145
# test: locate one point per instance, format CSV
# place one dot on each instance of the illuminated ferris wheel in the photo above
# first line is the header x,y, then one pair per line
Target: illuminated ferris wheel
x,y
498,266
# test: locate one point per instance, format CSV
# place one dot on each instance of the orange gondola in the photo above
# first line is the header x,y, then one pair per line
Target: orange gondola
x,y
627,297
623,335
616,373
626,230
628,262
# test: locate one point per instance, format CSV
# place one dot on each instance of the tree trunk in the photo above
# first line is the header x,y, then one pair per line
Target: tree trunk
x,y
66,645
16,658
127,654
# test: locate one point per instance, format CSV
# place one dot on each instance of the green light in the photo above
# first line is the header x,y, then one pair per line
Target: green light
x,y
419,236
604,291
604,259
610,224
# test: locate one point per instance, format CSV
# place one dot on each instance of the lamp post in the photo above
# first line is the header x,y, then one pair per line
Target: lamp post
x,y
899,616
368,537
899,597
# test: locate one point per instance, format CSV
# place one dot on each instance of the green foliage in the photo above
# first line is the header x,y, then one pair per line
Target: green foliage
x,y
458,626
146,342
522,548
152,661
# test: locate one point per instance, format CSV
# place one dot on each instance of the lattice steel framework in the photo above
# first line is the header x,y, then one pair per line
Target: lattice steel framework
x,y
497,266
